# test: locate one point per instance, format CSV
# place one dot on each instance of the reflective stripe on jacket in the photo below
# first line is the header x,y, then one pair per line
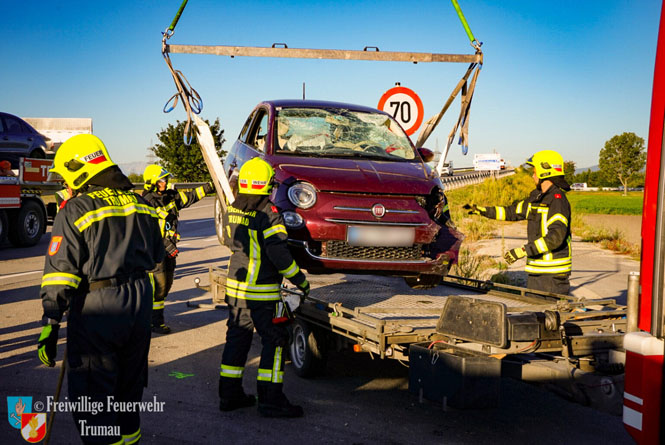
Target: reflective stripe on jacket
x,y
257,237
548,229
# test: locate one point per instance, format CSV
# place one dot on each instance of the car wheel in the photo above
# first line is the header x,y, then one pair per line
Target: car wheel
x,y
423,281
308,349
37,154
4,226
219,221
27,228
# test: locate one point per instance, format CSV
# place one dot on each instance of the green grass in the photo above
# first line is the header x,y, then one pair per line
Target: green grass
x,y
606,203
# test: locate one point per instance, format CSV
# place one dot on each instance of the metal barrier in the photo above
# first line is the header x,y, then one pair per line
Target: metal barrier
x,y
455,182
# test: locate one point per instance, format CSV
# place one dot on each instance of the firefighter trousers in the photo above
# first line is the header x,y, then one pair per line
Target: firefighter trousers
x,y
164,274
555,283
240,329
108,339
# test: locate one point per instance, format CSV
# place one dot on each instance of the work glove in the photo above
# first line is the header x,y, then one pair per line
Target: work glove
x,y
514,254
47,345
475,210
304,288
208,188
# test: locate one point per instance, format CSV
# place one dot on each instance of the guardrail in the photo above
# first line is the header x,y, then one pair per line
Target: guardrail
x,y
455,182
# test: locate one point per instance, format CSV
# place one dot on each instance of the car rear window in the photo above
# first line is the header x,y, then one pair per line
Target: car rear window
x,y
336,132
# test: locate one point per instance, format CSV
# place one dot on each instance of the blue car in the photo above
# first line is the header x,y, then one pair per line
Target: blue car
x,y
19,140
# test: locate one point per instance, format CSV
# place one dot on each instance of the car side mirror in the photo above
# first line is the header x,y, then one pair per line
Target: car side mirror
x,y
426,154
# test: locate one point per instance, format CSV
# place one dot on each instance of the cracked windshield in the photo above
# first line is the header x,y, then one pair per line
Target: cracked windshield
x,y
341,133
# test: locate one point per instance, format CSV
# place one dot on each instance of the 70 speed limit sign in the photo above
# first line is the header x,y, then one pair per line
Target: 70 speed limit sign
x,y
405,106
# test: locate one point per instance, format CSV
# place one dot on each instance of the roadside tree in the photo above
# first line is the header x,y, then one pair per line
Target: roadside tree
x,y
569,171
135,178
622,158
186,162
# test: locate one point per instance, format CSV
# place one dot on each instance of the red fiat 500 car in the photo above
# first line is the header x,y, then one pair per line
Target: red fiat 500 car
x,y
355,194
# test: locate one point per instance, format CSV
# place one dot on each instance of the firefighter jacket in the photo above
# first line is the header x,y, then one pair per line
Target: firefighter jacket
x,y
256,235
102,234
548,229
168,205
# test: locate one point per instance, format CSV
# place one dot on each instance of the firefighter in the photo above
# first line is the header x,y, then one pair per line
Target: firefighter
x,y
548,250
256,235
168,203
103,243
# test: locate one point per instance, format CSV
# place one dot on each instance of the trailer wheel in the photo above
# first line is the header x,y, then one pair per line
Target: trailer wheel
x,y
4,226
27,228
219,221
308,349
423,281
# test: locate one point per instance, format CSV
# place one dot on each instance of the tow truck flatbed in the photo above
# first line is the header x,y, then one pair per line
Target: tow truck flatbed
x,y
567,342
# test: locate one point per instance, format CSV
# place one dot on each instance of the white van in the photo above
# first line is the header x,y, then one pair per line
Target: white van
x,y
447,169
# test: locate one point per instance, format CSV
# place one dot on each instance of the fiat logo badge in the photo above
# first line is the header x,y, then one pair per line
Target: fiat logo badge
x,y
378,210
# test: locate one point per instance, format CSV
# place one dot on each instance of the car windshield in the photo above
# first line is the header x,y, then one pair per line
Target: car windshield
x,y
336,132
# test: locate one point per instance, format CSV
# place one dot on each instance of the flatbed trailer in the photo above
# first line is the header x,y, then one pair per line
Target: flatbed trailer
x,y
384,319
483,330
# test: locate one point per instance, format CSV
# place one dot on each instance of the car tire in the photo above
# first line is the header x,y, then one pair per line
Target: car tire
x,y
4,226
219,221
37,154
27,227
423,281
308,349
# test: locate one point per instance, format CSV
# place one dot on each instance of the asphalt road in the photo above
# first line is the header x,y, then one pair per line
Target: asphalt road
x,y
357,400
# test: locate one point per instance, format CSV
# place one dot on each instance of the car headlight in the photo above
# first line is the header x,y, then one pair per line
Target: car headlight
x,y
302,195
292,220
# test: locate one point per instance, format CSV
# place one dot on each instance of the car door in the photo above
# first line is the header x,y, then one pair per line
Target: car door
x,y
257,138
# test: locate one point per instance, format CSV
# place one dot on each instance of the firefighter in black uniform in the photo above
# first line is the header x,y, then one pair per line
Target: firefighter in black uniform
x,y
103,243
256,235
168,204
548,251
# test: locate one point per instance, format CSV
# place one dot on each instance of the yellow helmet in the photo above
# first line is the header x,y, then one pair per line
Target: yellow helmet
x,y
80,158
547,163
255,177
152,174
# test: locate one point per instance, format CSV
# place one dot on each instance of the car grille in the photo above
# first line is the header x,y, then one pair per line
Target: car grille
x,y
342,249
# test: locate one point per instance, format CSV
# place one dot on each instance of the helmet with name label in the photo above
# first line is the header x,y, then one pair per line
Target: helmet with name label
x,y
547,163
256,177
81,158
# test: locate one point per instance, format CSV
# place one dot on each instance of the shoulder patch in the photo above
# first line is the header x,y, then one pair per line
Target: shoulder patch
x,y
274,209
55,245
557,195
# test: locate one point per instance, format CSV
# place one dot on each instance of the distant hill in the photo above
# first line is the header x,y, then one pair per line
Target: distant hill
x,y
133,167
593,168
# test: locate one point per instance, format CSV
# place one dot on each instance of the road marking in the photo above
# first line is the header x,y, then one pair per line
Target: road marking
x,y
4,277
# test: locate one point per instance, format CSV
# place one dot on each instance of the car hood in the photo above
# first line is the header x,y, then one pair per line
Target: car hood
x,y
356,175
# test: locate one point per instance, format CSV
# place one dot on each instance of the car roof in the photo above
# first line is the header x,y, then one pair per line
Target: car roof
x,y
295,103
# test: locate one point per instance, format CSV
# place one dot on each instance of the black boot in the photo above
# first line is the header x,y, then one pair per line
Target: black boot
x,y
273,402
232,396
158,325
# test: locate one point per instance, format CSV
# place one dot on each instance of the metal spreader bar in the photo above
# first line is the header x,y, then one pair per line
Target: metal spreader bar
x,y
369,53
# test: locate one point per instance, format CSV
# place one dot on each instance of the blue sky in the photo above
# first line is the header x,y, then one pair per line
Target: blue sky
x,y
563,75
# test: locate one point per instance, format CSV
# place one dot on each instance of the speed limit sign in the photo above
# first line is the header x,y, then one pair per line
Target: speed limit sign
x,y
405,106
